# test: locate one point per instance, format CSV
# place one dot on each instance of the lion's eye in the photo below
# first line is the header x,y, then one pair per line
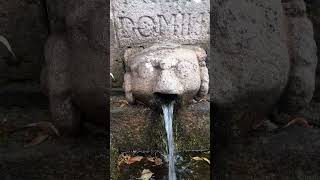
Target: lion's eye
x,y
185,69
145,69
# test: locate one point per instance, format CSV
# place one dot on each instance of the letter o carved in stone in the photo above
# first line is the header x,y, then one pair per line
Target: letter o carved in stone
x,y
146,26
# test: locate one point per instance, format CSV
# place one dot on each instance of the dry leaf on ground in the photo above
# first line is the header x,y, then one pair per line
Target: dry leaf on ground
x,y
146,174
134,159
37,140
201,159
128,159
206,159
123,159
197,158
151,159
123,103
299,121
157,161
45,126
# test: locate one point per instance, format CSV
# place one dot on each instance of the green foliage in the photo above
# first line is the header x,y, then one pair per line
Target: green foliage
x,y
114,154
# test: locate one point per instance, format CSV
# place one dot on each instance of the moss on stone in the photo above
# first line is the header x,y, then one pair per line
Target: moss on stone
x,y
139,128
114,171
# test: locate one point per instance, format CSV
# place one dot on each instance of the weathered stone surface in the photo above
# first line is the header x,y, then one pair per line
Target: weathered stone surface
x,y
141,128
145,22
250,62
149,37
313,8
303,56
141,22
56,14
168,69
77,65
23,23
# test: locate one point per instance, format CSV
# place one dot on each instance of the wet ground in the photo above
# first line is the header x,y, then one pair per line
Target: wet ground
x,y
54,158
291,153
189,165
279,150
137,127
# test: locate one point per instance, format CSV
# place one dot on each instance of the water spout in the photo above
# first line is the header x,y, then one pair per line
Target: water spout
x,y
165,98
168,118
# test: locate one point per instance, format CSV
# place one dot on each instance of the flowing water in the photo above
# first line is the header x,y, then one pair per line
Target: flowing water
x,y
182,165
168,118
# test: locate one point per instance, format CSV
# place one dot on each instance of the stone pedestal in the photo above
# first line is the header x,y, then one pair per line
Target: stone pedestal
x,y
135,127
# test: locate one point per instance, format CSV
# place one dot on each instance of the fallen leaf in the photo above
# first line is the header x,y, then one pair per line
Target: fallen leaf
x,y
201,159
197,158
123,159
158,161
134,159
146,174
44,125
37,140
151,159
258,124
207,160
299,121
122,103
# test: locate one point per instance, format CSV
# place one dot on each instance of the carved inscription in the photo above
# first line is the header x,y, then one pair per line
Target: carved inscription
x,y
180,24
165,1
142,21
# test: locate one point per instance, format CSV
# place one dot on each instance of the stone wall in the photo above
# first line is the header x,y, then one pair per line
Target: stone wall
x,y
250,59
313,9
302,51
264,54
23,23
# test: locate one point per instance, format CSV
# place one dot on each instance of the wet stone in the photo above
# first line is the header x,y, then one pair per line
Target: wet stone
x,y
139,128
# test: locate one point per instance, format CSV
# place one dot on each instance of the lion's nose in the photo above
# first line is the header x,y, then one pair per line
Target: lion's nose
x,y
168,83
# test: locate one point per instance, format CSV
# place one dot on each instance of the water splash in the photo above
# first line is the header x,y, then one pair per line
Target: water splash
x,y
168,118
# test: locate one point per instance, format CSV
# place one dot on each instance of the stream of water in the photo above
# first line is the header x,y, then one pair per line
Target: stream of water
x,y
168,118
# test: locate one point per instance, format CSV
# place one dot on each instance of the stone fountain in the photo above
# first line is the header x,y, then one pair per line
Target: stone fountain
x,y
158,49
165,69
163,47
